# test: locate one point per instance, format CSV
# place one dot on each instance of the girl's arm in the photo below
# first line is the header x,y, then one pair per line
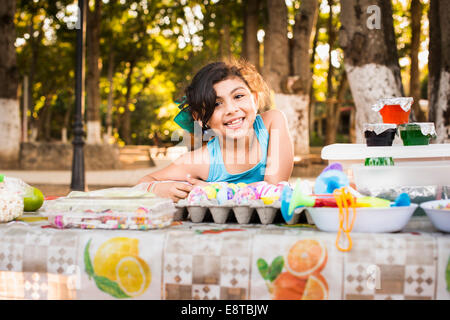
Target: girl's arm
x,y
189,167
280,154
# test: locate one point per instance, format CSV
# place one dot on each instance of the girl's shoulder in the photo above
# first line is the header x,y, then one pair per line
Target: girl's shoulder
x,y
273,117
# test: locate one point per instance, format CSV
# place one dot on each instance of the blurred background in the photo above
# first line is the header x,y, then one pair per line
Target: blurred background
x,y
326,61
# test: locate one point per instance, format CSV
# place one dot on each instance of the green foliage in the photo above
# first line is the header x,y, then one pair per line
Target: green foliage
x,y
166,41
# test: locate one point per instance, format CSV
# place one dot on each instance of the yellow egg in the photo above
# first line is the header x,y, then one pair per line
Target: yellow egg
x,y
215,186
269,200
211,192
241,185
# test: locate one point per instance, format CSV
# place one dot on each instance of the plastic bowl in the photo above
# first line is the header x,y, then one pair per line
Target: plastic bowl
x,y
368,220
440,218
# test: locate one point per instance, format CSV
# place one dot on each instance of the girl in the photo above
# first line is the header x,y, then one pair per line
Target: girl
x,y
223,99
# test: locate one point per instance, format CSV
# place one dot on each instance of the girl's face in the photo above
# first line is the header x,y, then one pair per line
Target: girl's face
x,y
235,109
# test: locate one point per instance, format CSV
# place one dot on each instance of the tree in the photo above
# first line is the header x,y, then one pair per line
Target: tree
x,y
414,82
250,42
332,105
439,68
93,98
291,92
370,54
9,79
276,49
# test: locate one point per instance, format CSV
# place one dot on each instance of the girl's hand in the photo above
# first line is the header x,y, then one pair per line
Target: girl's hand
x,y
195,182
173,190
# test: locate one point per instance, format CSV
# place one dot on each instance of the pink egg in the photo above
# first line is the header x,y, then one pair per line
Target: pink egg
x,y
196,196
244,195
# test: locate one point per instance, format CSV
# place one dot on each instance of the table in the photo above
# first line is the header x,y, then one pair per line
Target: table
x,y
349,154
211,261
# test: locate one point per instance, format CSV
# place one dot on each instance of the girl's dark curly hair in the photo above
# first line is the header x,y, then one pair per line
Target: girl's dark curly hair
x,y
201,96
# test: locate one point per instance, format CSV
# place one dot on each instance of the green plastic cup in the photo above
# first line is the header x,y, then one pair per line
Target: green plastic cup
x,y
379,162
411,135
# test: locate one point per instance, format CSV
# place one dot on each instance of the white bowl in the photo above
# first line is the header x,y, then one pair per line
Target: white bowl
x,y
439,217
368,220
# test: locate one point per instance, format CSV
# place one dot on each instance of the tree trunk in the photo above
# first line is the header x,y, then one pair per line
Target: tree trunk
x,y
332,117
110,96
371,59
10,131
250,44
126,115
276,48
93,99
295,102
224,24
312,100
414,83
439,68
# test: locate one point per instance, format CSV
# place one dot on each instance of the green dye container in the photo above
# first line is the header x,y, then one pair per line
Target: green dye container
x,y
412,134
378,162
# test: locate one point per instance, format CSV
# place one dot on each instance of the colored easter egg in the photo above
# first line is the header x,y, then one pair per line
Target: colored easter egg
x,y
211,192
241,185
233,186
244,195
224,195
259,186
196,196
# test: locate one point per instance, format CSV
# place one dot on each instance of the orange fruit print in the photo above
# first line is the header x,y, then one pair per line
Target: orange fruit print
x,y
303,281
306,257
288,287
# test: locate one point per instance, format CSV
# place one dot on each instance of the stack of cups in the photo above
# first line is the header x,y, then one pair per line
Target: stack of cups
x,y
395,113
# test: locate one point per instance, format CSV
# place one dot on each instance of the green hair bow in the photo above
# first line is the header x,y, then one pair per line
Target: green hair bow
x,y
184,118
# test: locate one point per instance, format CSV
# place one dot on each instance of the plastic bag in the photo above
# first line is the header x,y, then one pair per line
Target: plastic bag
x,y
12,191
139,190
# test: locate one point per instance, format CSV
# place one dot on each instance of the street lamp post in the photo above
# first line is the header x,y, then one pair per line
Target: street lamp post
x,y
78,173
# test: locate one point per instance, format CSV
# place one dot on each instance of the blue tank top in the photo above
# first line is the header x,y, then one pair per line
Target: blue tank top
x,y
217,170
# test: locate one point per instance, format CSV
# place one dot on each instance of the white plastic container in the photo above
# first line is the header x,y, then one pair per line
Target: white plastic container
x,y
348,154
368,220
439,217
140,213
401,175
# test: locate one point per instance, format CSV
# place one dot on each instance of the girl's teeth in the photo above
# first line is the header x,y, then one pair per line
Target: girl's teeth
x,y
235,121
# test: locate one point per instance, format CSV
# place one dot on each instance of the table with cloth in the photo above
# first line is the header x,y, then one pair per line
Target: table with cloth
x,y
220,261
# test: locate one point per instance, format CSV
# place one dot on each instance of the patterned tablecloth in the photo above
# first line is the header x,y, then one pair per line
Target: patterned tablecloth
x,y
210,261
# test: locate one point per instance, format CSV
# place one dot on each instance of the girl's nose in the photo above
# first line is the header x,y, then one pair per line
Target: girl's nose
x,y
231,107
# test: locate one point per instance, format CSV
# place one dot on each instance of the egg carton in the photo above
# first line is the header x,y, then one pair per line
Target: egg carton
x,y
243,214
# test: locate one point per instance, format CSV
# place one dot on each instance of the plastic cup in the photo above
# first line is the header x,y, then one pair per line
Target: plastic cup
x,y
383,139
377,162
411,135
394,114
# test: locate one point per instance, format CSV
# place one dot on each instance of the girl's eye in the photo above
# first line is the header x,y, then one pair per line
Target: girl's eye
x,y
238,96
217,103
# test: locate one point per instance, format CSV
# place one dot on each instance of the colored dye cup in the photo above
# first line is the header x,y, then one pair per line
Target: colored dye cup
x,y
412,135
378,162
383,139
394,114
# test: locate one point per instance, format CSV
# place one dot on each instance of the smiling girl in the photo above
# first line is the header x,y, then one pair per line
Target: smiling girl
x,y
245,146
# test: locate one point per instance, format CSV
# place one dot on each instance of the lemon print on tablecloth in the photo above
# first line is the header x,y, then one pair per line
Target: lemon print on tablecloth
x,y
133,275
117,269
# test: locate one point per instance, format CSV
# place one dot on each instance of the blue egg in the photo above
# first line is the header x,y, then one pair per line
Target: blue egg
x,y
222,196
